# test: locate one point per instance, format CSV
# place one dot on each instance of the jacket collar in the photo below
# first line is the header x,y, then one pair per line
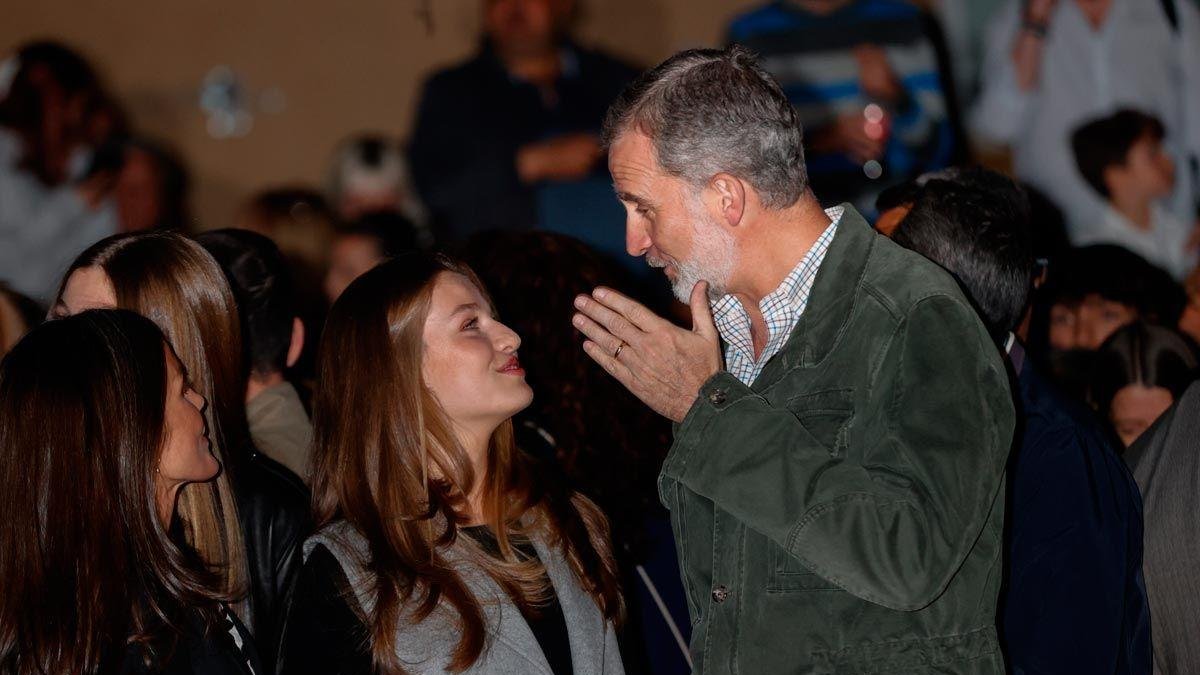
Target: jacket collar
x,y
834,293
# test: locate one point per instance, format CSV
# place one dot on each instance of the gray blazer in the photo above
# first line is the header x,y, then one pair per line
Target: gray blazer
x,y
511,648
1166,464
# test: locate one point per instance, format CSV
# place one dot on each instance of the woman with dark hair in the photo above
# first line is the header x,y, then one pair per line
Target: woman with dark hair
x,y
441,547
1139,372
100,434
176,283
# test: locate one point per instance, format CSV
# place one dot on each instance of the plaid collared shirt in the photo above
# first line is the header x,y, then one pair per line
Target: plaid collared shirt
x,y
781,310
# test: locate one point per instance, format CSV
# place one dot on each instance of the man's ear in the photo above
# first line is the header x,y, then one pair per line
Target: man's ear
x,y
731,197
297,344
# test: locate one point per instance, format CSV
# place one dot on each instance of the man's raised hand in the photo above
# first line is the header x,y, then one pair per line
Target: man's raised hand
x,y
662,364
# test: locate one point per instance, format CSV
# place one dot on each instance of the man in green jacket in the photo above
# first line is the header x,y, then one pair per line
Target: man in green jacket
x,y
843,418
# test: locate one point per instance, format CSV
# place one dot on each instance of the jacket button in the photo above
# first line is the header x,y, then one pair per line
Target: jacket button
x,y
716,396
720,593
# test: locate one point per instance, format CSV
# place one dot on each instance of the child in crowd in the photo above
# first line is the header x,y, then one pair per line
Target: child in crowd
x,y
1122,157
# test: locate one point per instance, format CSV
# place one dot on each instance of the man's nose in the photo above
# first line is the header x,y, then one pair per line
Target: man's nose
x,y
637,240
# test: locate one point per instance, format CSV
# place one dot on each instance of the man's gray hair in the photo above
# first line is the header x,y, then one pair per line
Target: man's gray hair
x,y
709,111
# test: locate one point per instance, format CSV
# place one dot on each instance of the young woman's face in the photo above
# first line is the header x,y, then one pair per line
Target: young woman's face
x,y
186,454
470,358
1149,167
1135,407
351,257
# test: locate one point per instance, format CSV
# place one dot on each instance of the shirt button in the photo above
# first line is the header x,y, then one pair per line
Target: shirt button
x,y
716,396
720,593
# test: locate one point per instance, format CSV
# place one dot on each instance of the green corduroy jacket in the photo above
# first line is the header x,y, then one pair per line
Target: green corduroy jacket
x,y
843,514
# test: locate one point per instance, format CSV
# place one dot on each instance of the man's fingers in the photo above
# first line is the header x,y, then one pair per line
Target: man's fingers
x,y
611,320
597,333
609,364
637,314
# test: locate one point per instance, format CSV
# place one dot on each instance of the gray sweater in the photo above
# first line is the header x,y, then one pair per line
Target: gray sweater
x,y
512,647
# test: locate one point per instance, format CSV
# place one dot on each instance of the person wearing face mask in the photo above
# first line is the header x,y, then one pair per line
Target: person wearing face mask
x,y
1138,373
1091,292
53,194
97,576
440,546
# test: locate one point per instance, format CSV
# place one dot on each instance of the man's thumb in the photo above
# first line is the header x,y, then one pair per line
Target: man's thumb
x,y
702,320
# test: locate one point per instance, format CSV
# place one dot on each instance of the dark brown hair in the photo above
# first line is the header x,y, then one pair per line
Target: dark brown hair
x,y
1142,354
1106,141
387,462
86,563
174,282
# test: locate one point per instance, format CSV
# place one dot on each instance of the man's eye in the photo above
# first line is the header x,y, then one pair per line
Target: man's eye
x,y
471,324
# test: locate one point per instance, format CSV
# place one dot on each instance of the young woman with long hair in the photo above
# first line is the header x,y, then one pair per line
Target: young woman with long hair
x,y
100,431
441,547
173,281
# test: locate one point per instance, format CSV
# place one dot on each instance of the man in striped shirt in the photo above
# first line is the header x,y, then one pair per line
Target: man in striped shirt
x,y
863,75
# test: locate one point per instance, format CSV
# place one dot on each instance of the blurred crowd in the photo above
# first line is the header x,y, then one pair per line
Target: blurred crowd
x,y
1094,106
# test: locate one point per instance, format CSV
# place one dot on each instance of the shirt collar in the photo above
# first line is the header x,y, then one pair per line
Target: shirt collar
x,y
789,298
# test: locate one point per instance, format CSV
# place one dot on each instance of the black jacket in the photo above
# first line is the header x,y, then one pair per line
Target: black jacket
x,y
200,650
1074,599
473,117
273,509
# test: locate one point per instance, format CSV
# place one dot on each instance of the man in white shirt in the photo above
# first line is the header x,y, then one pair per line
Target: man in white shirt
x,y
1052,64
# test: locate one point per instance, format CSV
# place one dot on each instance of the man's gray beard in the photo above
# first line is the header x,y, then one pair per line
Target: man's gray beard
x,y
712,259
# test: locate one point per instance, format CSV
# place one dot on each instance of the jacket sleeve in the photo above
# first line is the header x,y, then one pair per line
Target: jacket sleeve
x,y
893,527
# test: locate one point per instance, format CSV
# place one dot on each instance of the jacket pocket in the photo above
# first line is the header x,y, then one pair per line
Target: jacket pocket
x,y
787,574
826,415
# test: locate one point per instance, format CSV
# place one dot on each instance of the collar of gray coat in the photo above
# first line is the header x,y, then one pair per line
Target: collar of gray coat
x,y
512,647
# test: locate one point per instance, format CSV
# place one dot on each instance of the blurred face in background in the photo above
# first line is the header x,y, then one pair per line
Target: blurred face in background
x,y
1088,324
138,192
1148,171
524,27
1135,407
350,257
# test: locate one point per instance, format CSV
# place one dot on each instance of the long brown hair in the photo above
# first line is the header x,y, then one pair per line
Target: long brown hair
x,y
174,282
86,563
387,462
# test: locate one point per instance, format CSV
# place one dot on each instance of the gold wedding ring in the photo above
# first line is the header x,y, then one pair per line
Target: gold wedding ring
x,y
619,348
